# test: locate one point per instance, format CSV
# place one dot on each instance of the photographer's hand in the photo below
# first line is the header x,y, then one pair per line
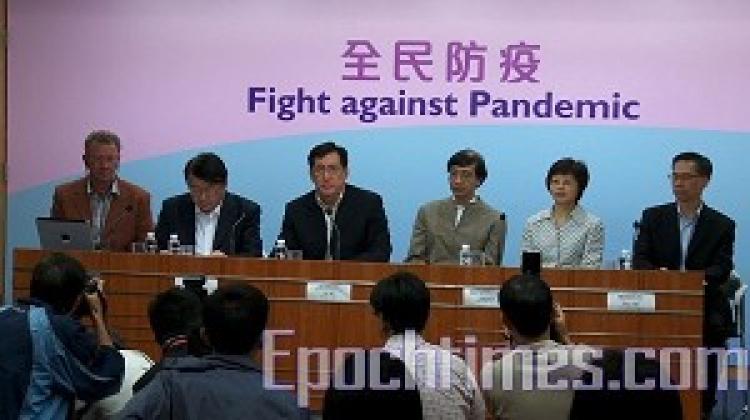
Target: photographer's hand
x,y
94,301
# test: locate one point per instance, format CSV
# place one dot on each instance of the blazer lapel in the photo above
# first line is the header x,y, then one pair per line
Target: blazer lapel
x,y
117,211
82,202
227,216
702,225
186,227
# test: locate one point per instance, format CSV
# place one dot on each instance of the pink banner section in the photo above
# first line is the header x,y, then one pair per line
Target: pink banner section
x,y
178,74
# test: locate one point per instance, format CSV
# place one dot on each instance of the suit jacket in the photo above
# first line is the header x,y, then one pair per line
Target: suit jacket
x,y
436,239
177,215
710,249
362,227
129,217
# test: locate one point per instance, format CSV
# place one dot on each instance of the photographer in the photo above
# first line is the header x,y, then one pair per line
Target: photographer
x,y
47,357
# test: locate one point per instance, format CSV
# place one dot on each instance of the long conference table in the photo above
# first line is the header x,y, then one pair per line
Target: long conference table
x,y
324,304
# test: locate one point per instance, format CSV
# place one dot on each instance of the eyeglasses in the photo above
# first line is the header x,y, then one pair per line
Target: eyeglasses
x,y
674,176
467,174
333,170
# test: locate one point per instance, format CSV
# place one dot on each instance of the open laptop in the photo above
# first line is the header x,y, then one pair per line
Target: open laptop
x,y
58,234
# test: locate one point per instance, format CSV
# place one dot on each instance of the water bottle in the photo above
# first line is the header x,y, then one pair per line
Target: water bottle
x,y
174,244
464,255
626,260
150,245
279,250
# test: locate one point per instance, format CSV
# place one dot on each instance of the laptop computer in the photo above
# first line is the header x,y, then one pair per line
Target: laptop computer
x,y
58,234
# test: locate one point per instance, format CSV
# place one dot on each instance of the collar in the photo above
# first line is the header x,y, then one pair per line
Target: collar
x,y
335,206
213,213
697,211
114,188
577,214
399,341
473,200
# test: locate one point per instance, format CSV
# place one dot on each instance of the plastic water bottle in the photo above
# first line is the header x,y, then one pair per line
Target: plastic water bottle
x,y
174,244
626,260
150,245
279,250
464,255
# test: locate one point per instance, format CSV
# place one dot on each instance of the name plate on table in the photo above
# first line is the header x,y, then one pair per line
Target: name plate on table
x,y
631,301
329,291
481,296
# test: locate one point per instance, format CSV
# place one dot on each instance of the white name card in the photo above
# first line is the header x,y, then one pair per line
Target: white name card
x,y
481,296
329,291
631,301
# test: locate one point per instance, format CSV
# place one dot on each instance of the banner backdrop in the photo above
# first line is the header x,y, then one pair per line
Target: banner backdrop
x,y
402,85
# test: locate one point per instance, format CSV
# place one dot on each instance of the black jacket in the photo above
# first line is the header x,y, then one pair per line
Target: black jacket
x,y
362,227
177,215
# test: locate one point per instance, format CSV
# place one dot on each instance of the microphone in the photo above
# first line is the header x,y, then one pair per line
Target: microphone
x,y
334,231
232,240
128,209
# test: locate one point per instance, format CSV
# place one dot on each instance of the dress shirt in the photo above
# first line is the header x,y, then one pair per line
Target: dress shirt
x,y
100,208
687,227
329,220
205,229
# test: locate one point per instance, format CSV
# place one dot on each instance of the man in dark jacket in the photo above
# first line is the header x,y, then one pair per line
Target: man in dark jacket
x,y
208,216
689,235
336,220
227,384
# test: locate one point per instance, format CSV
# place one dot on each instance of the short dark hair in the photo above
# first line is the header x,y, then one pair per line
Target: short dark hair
x,y
234,318
570,166
207,167
403,302
469,157
702,164
174,312
58,280
526,302
323,149
101,137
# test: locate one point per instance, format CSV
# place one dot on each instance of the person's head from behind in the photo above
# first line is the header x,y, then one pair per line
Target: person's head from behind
x,y
329,169
59,280
466,172
102,156
566,181
526,303
234,318
690,175
176,314
402,302
206,178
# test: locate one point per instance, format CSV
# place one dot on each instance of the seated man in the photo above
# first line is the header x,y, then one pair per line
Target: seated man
x,y
119,212
176,320
227,384
442,226
689,235
47,358
527,306
336,220
402,303
208,216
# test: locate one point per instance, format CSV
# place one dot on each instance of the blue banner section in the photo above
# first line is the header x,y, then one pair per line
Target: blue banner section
x,y
407,166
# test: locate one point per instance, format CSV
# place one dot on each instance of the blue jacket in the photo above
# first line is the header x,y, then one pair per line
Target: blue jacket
x,y
48,360
211,387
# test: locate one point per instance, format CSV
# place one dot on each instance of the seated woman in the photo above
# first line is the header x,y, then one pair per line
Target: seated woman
x,y
566,235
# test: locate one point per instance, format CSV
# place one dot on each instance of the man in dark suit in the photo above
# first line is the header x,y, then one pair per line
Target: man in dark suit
x,y
208,216
119,212
336,220
689,235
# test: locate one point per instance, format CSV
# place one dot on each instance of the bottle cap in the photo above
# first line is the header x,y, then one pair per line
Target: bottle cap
x,y
173,236
465,247
150,235
280,242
